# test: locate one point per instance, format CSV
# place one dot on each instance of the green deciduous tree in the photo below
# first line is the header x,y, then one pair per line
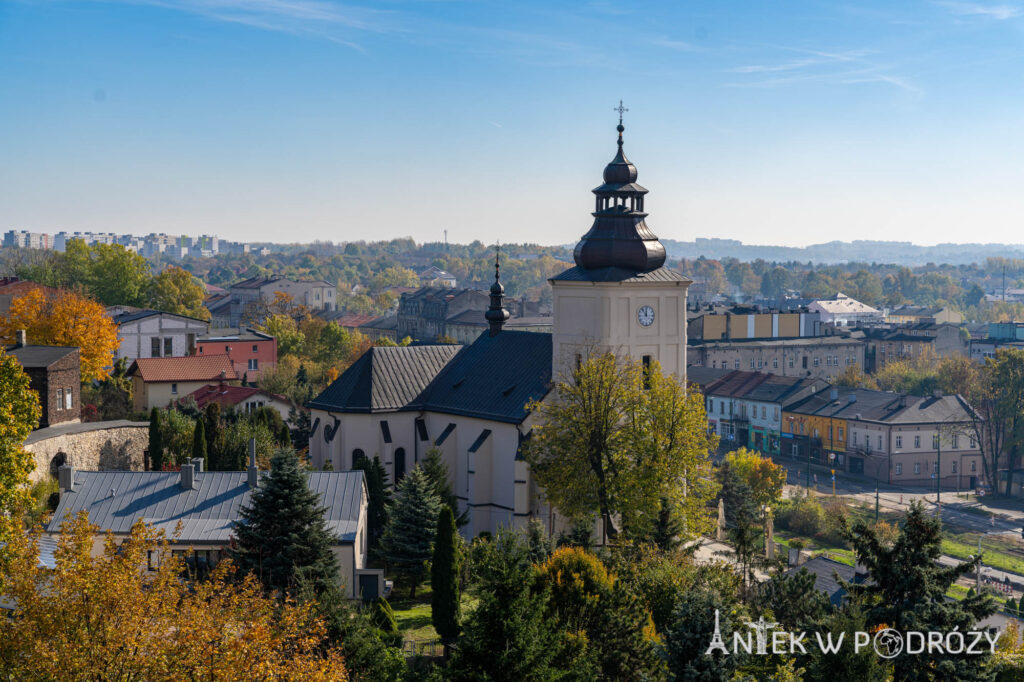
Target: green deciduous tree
x,y
282,535
177,291
408,540
614,439
907,591
445,611
764,477
156,442
19,414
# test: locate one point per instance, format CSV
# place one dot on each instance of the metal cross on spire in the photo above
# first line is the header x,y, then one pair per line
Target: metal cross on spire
x,y
621,109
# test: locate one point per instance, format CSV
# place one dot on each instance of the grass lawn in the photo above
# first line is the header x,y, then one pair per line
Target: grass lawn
x,y
962,546
413,616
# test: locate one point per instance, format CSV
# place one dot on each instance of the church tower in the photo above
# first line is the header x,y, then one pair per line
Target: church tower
x,y
619,297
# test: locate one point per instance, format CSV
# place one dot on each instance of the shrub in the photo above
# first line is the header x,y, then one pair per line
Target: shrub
x,y
805,516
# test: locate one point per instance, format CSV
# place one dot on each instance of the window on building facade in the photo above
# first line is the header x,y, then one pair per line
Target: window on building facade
x,y
60,398
254,364
791,363
935,441
255,348
168,347
899,468
751,363
764,412
815,433
67,398
174,389
736,365
954,441
899,442
776,414
154,347
879,442
795,449
775,363
974,466
817,362
917,467
841,436
917,441
954,467
973,442
853,437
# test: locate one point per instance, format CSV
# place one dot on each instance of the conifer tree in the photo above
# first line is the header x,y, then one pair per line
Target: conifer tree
x,y
437,473
282,536
380,497
199,445
667,527
408,540
284,435
156,443
907,591
445,612
214,438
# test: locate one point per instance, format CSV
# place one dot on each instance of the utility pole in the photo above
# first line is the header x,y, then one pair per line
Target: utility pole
x,y
938,473
876,498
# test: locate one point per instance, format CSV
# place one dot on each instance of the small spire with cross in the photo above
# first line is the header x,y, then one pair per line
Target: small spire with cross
x,y
621,109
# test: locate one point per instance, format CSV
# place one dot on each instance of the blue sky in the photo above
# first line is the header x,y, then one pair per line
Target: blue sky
x,y
295,120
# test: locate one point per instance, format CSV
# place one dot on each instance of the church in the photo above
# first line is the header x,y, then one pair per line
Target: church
x,y
470,401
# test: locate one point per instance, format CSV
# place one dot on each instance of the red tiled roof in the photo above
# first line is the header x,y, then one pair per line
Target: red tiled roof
x,y
188,368
354,320
228,396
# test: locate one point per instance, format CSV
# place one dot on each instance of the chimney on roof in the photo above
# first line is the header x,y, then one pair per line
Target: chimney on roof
x,y
223,377
21,339
903,400
197,462
66,478
253,471
937,393
188,475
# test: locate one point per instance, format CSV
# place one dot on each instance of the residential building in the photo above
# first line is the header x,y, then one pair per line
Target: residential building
x,y
27,240
251,352
999,335
900,439
242,399
820,357
841,310
745,408
885,344
471,402
436,277
423,314
913,314
55,374
314,294
13,287
741,323
466,326
199,510
156,334
385,327
159,382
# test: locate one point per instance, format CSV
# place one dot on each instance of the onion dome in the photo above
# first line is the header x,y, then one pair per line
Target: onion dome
x,y
619,237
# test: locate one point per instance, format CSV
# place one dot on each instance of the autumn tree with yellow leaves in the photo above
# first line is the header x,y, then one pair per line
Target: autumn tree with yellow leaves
x,y
102,617
19,414
65,319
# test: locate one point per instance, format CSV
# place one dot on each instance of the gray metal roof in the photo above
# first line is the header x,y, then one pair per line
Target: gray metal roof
x,y
615,274
827,574
39,356
385,378
207,513
493,378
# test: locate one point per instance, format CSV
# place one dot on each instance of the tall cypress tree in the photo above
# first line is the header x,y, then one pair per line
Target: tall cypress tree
x,y
282,535
214,439
445,611
156,443
408,540
199,444
284,435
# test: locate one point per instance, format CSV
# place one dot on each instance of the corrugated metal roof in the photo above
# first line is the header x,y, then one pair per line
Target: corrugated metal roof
x,y
207,513
614,274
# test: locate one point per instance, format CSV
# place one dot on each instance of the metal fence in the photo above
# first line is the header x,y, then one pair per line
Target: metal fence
x,y
423,647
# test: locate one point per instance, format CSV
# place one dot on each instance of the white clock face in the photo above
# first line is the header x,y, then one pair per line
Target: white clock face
x,y
645,316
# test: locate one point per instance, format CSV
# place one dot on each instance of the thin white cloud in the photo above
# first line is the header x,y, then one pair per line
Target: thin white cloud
x,y
678,45
998,12
823,66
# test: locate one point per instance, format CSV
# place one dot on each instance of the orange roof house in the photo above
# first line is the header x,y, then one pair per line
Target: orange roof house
x,y
158,382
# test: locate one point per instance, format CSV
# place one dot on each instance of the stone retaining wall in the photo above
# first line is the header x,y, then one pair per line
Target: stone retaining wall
x,y
117,447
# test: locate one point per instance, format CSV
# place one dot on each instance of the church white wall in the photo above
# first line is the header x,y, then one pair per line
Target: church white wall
x,y
363,432
603,316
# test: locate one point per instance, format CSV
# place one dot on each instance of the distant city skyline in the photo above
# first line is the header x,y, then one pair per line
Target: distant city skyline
x,y
302,120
